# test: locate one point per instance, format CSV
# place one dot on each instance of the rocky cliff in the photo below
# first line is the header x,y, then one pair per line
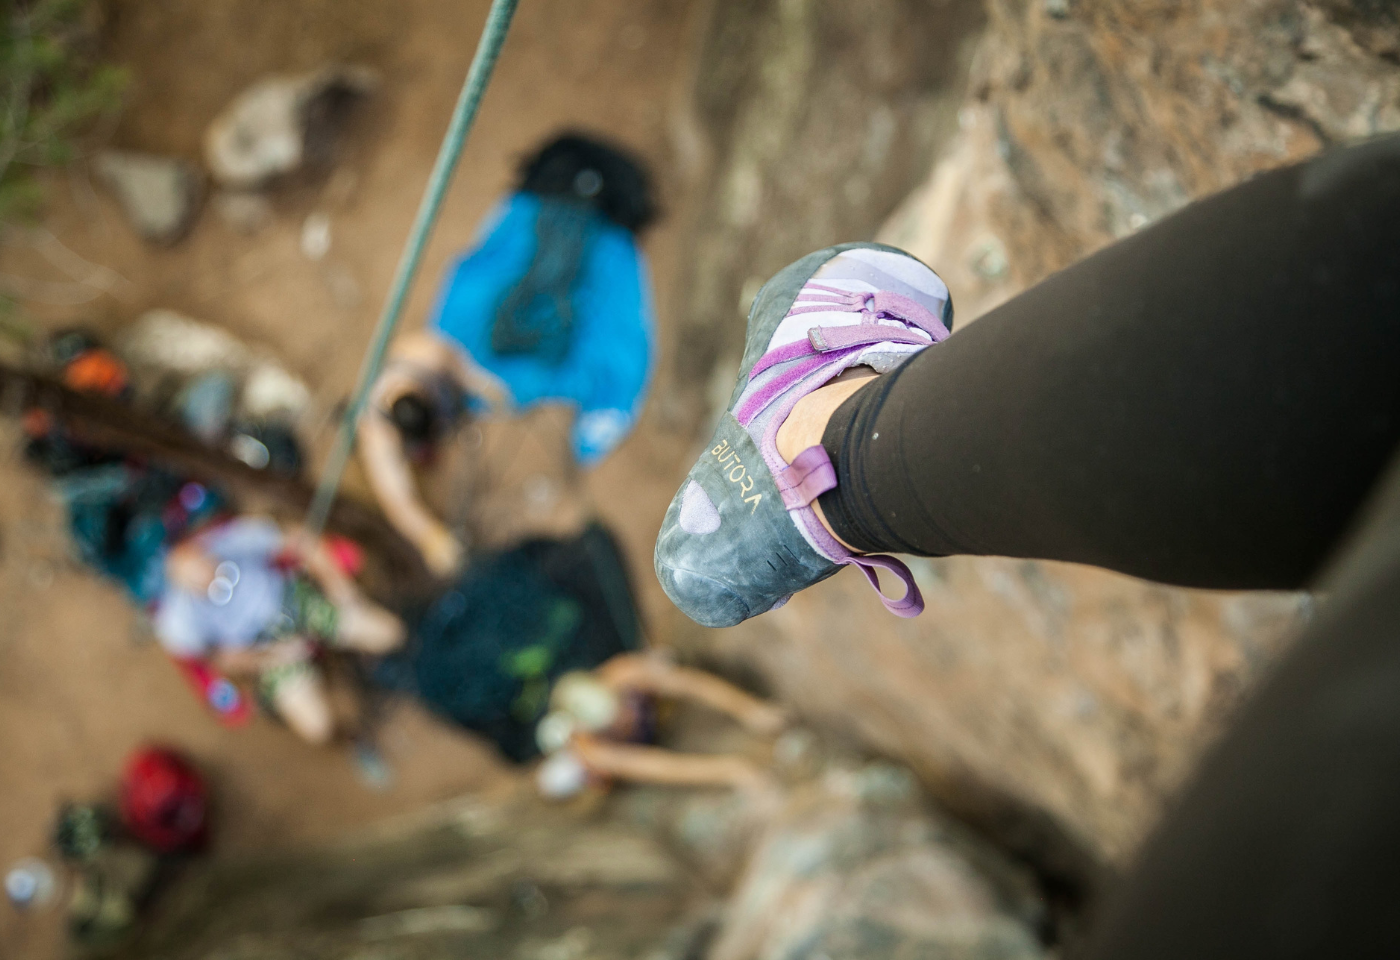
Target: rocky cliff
x,y
1059,706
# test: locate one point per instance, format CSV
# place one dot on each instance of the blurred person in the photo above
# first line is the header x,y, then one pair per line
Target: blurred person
x,y
553,305
253,601
1212,402
601,723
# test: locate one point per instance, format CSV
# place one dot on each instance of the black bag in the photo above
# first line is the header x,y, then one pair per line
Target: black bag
x,y
486,653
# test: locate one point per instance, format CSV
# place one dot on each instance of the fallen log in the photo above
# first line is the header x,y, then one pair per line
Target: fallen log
x,y
107,424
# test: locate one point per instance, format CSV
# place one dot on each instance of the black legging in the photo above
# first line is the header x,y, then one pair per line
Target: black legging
x,y
1210,403
1205,403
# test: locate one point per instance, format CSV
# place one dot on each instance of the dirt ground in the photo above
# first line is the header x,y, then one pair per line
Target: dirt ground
x,y
79,685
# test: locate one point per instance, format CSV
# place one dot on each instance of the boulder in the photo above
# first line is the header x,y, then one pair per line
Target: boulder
x,y
281,124
163,343
850,869
506,877
159,195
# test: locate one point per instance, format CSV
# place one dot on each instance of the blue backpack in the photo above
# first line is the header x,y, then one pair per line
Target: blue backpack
x,y
554,300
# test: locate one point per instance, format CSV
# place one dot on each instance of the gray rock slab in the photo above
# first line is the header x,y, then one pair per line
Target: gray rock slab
x,y
159,195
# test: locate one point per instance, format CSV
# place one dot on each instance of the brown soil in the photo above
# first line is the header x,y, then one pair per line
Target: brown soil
x,y
77,689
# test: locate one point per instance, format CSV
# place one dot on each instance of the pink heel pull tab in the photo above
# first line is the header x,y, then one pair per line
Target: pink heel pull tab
x,y
808,476
912,603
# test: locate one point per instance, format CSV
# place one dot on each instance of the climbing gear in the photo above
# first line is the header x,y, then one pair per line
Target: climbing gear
x,y
554,304
584,169
554,731
741,536
536,318
493,37
585,698
562,776
164,801
123,517
487,652
580,183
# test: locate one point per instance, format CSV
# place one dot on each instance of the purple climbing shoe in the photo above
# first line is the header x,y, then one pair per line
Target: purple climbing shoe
x,y
741,536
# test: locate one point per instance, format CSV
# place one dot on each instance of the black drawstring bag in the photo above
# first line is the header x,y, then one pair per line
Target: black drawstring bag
x,y
579,181
486,653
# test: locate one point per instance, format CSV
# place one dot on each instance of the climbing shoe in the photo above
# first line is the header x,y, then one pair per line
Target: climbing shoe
x,y
741,536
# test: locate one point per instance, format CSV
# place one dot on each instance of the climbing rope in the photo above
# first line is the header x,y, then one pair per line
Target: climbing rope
x,y
493,35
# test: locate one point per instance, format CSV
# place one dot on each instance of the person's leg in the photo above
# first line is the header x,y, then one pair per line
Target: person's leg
x,y
352,624
1287,841
368,628
1204,403
655,674
298,694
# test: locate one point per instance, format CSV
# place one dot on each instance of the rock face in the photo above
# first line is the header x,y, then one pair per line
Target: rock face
x,y
852,865
159,195
1059,706
811,120
842,875
1056,706
1087,126
469,879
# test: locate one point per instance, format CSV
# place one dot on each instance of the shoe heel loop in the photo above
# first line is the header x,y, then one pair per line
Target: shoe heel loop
x,y
912,603
806,478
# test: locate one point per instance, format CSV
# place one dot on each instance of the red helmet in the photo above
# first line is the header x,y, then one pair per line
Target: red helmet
x,y
164,801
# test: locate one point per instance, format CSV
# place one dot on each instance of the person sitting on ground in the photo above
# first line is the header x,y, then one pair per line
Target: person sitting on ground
x,y
552,306
255,601
601,721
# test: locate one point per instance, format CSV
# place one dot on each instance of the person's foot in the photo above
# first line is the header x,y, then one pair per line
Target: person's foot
x,y
368,628
741,536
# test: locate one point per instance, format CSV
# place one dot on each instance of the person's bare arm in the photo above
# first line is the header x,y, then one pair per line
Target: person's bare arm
x,y
361,624
253,660
382,453
639,764
476,382
321,567
654,674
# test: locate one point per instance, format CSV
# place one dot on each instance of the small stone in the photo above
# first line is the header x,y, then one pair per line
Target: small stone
x,y
885,784
159,195
171,341
989,259
797,754
316,236
345,289
205,404
41,574
541,495
1059,9
280,124
243,210
425,921
270,392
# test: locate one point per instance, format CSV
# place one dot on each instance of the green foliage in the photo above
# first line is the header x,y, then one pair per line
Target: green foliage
x,y
50,91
